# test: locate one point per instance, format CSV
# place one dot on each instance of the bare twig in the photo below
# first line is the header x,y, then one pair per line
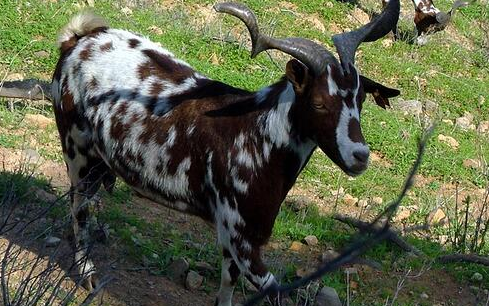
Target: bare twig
x,y
366,227
482,260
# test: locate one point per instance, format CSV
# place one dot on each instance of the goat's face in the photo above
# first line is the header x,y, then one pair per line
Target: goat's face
x,y
330,111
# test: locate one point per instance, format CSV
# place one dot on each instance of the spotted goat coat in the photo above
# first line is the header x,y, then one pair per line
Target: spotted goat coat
x,y
125,106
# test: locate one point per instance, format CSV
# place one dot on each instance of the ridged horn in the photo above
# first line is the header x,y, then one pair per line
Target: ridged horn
x,y
313,55
347,43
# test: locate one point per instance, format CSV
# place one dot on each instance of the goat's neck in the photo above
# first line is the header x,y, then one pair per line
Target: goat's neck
x,y
276,124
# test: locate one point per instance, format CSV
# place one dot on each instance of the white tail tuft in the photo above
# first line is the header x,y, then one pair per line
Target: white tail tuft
x,y
81,25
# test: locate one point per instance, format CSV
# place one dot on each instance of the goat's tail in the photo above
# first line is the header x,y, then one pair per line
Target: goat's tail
x,y
79,26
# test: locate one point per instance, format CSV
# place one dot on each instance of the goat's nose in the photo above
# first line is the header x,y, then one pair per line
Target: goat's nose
x,y
361,156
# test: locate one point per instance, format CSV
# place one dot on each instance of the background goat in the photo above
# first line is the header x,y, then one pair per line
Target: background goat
x,y
126,107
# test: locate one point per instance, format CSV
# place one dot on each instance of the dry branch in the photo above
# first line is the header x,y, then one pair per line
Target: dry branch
x,y
392,236
477,259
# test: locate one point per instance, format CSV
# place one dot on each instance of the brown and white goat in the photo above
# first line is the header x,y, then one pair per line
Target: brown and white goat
x,y
428,19
126,107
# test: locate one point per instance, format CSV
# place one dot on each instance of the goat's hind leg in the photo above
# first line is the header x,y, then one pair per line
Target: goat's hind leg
x,y
87,173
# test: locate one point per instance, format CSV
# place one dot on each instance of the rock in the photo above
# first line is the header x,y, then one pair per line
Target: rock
x,y
363,203
477,277
338,192
126,11
483,127
424,296
327,296
329,255
156,30
204,266
311,240
350,200
177,269
43,195
403,213
450,141
430,107
472,163
377,200
31,156
465,122
436,217
410,107
14,77
52,241
386,43
194,280
41,54
38,120
296,246
303,272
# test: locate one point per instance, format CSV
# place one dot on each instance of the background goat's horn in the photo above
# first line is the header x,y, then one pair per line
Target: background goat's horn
x,y
314,56
347,43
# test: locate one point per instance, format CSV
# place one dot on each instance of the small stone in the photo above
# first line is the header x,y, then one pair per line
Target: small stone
x,y
126,11
431,107
465,122
177,269
37,120
483,127
31,156
472,163
311,240
477,277
327,296
41,54
403,213
363,203
303,272
204,266
194,280
338,192
410,107
329,255
436,217
296,246
156,30
377,200
52,241
43,195
424,296
450,141
350,200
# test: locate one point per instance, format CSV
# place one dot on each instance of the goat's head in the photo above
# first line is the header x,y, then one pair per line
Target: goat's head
x,y
328,92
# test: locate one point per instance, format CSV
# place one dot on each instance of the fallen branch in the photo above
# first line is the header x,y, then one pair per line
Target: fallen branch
x,y
392,236
30,89
477,259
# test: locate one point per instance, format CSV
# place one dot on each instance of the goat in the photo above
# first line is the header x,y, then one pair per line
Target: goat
x,y
428,19
126,107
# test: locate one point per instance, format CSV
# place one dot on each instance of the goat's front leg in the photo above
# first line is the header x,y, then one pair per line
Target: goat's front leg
x,y
229,276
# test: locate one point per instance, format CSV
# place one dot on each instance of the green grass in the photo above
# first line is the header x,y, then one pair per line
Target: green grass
x,y
452,71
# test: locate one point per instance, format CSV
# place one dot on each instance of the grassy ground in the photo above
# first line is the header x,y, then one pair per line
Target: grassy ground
x,y
452,71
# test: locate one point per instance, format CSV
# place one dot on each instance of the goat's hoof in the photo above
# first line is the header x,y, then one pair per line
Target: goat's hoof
x,y
90,282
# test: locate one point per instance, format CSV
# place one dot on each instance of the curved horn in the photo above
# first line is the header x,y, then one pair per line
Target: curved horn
x,y
314,56
347,43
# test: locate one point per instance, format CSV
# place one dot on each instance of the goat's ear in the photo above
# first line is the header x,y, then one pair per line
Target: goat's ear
x,y
380,93
298,74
